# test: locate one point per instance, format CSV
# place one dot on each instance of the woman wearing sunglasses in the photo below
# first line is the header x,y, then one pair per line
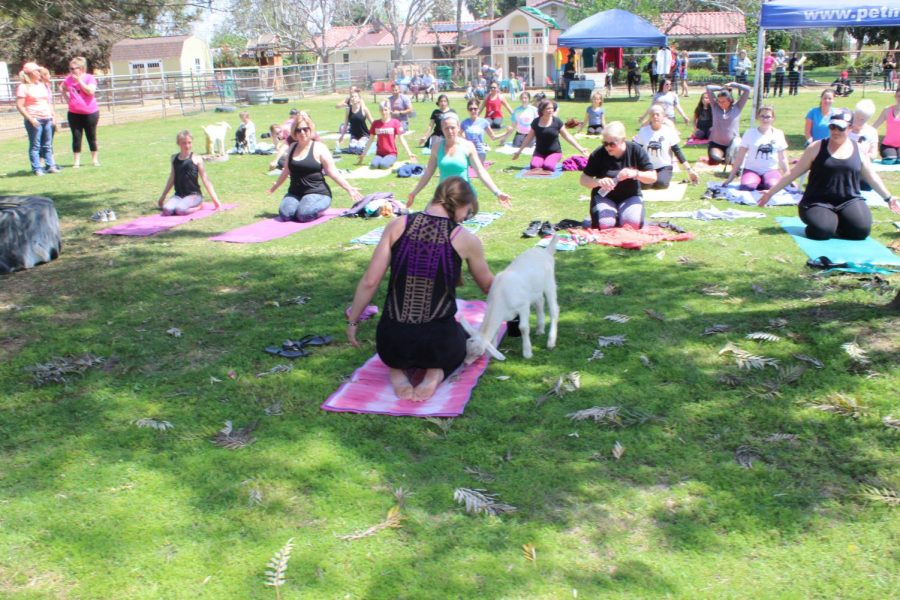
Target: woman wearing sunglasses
x,y
614,174
832,205
761,158
493,105
308,161
546,131
474,128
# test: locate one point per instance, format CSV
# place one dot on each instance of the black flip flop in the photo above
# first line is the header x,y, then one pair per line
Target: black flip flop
x,y
314,340
293,353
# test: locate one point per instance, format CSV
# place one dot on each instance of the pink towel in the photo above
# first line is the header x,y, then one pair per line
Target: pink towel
x,y
626,237
473,174
153,224
272,229
369,389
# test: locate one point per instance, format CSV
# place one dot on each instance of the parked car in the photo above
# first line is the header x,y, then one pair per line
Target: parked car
x,y
703,60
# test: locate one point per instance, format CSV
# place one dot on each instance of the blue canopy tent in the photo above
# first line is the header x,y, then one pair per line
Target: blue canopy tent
x,y
612,29
807,14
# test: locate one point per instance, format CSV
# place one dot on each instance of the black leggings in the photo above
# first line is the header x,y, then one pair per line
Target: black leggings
x,y
87,124
717,153
793,82
663,179
889,152
779,84
849,221
767,82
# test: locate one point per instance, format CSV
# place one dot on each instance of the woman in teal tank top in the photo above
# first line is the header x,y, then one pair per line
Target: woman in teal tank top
x,y
453,157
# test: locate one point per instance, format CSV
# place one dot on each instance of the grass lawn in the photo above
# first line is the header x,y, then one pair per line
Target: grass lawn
x,y
94,507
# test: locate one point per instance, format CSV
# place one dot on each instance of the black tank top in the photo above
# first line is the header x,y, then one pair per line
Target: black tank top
x,y
357,123
306,174
424,271
832,180
186,173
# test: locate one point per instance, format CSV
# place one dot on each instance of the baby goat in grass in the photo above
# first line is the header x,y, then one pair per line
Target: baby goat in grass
x,y
526,282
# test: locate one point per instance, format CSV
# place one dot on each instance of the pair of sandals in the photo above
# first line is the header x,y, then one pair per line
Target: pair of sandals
x,y
545,228
297,348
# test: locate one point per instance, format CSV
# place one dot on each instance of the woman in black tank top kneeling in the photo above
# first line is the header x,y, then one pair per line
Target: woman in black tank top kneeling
x,y
832,204
308,161
425,251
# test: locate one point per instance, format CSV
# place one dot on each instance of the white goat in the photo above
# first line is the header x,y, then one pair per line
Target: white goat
x,y
215,137
524,283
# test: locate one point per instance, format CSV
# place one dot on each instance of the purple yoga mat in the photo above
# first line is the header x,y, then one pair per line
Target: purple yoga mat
x,y
144,226
272,229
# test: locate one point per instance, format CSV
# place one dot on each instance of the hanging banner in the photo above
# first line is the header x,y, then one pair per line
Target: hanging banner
x,y
797,14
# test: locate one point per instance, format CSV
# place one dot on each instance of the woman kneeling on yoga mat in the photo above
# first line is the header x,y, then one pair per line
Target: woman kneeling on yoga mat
x,y
307,164
546,131
184,175
761,154
614,174
386,131
425,251
832,206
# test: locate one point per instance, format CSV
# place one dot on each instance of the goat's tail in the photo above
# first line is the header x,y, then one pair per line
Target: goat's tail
x,y
551,247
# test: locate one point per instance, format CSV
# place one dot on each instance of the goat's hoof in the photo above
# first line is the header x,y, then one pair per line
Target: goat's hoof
x,y
527,354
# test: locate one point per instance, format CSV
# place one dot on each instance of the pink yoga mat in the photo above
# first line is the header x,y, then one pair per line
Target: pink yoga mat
x,y
271,229
369,389
153,224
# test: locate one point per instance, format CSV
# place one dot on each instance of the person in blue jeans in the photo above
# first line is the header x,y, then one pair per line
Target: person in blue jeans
x,y
308,161
35,103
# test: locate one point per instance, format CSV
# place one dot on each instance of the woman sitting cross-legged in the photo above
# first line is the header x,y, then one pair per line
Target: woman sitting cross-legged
x,y
546,131
425,252
661,140
614,174
832,205
386,131
452,158
307,164
185,175
761,154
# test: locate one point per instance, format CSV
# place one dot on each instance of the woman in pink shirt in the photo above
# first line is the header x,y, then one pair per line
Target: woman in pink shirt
x,y
35,103
79,90
768,65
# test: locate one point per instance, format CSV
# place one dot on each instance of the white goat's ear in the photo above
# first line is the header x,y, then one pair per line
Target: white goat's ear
x,y
468,326
493,351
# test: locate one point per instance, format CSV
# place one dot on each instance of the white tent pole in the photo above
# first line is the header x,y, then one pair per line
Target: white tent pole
x,y
757,80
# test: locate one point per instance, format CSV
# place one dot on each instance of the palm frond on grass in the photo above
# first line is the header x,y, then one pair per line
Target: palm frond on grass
x,y
234,439
763,336
811,360
892,423
717,328
529,552
745,455
59,368
480,474
479,501
148,423
746,360
839,404
564,384
393,520
277,567
612,415
611,340
856,354
880,495
617,318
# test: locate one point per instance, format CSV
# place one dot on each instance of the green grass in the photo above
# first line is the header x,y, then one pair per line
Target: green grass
x,y
93,507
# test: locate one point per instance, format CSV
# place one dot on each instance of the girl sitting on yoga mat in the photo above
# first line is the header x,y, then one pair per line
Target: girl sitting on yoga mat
x,y
702,118
356,123
386,131
186,170
761,154
726,114
614,174
474,129
817,119
660,140
890,144
452,158
493,106
522,116
832,206
594,115
425,252
308,161
431,138
546,131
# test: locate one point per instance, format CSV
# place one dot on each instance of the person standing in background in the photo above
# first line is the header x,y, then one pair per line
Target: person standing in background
x,y
888,66
768,66
780,61
79,89
742,67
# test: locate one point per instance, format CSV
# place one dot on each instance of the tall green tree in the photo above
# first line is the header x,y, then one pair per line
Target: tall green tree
x,y
53,31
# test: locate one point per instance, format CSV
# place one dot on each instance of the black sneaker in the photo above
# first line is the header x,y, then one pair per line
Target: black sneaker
x,y
532,230
546,229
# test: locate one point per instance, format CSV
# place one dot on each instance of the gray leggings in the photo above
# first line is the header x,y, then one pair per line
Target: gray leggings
x,y
606,213
383,162
307,208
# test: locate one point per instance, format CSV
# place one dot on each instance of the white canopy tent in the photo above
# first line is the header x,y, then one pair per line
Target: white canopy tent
x,y
806,14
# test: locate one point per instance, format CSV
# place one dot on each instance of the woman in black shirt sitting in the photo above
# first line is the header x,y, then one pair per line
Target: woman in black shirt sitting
x,y
832,205
614,174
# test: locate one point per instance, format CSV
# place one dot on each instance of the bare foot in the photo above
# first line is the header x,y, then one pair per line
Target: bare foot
x,y
425,390
402,387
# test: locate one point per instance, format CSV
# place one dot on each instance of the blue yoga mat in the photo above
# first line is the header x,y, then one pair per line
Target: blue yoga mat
x,y
867,251
523,174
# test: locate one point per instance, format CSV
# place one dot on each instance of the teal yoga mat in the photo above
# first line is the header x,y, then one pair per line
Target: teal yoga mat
x,y
867,251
